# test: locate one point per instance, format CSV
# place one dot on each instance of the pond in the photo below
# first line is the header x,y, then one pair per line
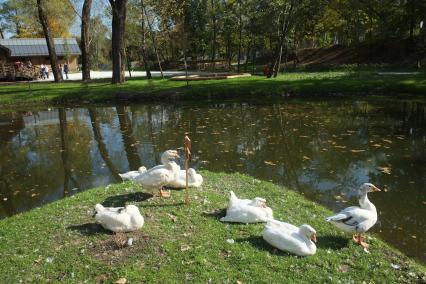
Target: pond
x,y
323,148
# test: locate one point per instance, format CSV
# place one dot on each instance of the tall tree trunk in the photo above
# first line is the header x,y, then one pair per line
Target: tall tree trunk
x,y
85,25
153,40
118,46
284,30
239,39
1,33
213,56
49,40
143,48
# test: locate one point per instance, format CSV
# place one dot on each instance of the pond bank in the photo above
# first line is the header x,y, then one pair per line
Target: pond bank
x,y
178,243
257,87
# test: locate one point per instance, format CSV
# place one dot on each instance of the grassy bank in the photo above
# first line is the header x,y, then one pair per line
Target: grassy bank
x,y
257,86
179,243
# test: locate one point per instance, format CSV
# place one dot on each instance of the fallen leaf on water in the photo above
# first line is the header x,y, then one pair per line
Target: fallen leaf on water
x,y
387,141
357,151
385,170
414,236
377,145
269,163
340,147
306,158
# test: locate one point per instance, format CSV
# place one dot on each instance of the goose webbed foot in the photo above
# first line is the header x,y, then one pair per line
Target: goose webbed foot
x,y
360,240
164,193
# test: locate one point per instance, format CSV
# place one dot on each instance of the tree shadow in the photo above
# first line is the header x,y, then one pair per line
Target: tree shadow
x,y
260,244
332,242
89,229
121,200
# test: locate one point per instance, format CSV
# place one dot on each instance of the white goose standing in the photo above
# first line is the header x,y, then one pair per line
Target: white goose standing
x,y
161,175
119,219
357,220
287,237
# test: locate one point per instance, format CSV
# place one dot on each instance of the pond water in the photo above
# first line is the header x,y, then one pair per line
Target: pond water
x,y
322,148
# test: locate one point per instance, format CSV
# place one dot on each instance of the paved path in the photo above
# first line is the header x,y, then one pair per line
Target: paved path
x,y
108,74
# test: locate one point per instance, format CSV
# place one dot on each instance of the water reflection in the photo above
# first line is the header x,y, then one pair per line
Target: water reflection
x,y
322,149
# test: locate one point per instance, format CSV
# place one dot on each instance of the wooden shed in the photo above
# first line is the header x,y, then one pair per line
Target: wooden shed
x,y
35,50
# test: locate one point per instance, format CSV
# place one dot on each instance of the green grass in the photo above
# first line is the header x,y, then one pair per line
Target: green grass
x,y
179,243
331,82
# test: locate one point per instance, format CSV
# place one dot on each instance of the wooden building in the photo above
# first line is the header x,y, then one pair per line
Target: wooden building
x,y
35,50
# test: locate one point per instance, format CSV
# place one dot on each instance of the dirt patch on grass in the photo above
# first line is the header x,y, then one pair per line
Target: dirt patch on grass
x,y
108,251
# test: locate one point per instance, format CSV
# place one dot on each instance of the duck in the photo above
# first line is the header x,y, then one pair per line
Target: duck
x,y
246,210
357,220
194,179
119,219
161,175
287,237
132,175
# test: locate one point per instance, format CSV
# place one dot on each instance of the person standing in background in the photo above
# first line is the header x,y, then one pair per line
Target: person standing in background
x,y
66,69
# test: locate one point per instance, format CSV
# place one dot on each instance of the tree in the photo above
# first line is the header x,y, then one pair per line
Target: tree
x,y
85,42
119,10
49,41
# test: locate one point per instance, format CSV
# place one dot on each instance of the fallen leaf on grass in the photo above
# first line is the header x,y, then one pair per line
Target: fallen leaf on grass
x,y
184,247
344,268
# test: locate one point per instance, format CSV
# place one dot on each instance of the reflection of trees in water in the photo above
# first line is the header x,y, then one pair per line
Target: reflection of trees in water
x,y
127,136
97,135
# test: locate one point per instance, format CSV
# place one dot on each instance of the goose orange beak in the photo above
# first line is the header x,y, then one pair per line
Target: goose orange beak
x,y
375,189
314,237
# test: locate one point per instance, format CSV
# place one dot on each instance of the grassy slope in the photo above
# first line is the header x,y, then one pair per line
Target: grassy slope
x,y
59,242
140,89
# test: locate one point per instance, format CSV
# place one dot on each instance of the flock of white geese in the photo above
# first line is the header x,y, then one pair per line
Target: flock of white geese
x,y
284,236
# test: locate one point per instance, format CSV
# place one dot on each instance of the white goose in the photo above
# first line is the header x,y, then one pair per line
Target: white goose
x,y
357,220
287,237
161,175
133,174
247,211
194,179
119,219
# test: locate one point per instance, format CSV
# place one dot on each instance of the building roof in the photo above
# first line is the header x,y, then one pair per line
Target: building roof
x,y
22,47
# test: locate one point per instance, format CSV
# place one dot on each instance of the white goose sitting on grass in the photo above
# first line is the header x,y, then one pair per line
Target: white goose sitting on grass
x,y
161,175
287,237
357,220
133,174
194,179
119,219
246,210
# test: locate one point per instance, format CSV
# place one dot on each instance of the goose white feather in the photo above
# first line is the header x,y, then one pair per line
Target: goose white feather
x,y
194,179
357,220
119,219
289,238
133,174
161,175
246,210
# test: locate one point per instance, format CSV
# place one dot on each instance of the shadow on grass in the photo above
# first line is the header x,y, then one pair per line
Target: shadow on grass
x,y
260,244
163,205
332,242
121,200
89,229
216,214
